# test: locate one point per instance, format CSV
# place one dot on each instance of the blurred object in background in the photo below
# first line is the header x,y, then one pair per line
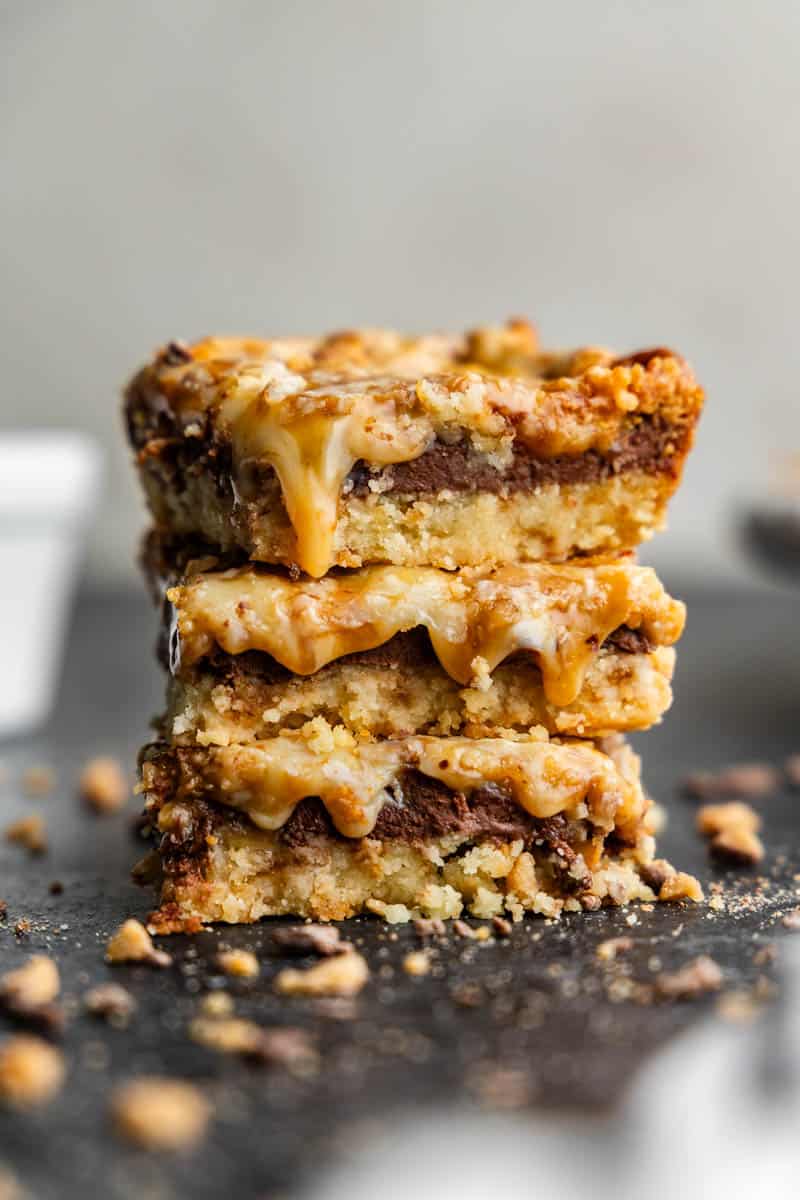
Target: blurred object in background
x,y
771,527
48,489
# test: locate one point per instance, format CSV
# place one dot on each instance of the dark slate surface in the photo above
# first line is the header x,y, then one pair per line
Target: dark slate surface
x,y
540,1024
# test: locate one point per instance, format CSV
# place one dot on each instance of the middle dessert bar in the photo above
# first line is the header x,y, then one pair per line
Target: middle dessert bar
x,y
581,649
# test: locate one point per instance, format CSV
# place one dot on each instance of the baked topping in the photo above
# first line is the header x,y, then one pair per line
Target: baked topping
x,y
268,779
475,618
312,410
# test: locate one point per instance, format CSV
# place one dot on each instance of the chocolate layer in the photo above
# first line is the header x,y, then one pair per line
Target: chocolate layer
x,y
404,650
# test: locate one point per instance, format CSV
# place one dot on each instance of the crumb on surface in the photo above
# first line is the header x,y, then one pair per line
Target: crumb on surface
x,y
417,963
112,1002
742,779
281,1047
103,785
216,1004
792,770
791,921
502,926
699,976
9,1185
38,781
159,1113
681,886
32,985
132,943
31,1071
30,832
733,831
323,940
608,950
242,964
344,975
740,1007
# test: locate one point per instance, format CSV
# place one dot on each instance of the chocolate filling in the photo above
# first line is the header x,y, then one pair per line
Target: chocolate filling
x,y
403,651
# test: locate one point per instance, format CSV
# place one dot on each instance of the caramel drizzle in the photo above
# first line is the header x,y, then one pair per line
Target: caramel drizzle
x,y
266,780
475,618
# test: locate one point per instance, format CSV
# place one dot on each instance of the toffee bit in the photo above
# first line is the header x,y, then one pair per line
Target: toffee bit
x,y
132,943
733,830
242,964
416,963
322,940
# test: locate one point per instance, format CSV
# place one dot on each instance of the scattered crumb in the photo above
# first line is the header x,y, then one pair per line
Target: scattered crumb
x,y
30,832
38,781
216,1004
280,1047
656,873
608,950
416,963
697,977
740,1007
55,888
502,926
502,1088
112,1002
766,955
103,785
428,927
746,779
733,830
9,1186
35,983
393,914
323,940
792,769
631,919
159,1113
3,910
22,928
681,886
132,943
31,1071
716,904
242,964
468,995
344,975
462,929
792,921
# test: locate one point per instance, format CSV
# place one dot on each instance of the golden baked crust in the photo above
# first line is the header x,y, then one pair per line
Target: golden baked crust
x,y
279,427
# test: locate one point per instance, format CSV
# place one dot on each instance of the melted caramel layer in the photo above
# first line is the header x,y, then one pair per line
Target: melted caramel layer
x,y
266,780
475,618
313,409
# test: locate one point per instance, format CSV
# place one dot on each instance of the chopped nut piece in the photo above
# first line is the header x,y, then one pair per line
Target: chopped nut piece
x,y
103,785
290,1048
38,781
792,769
31,1071
697,977
30,832
241,963
160,1114
344,975
655,873
427,927
463,929
216,1004
681,886
324,940
746,779
132,943
112,1002
502,926
738,846
35,983
608,950
792,920
416,963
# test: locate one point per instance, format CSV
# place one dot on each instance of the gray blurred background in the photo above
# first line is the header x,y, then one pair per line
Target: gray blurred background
x,y
624,173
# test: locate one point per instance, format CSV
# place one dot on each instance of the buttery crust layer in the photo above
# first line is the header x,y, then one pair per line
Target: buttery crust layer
x,y
275,446
400,689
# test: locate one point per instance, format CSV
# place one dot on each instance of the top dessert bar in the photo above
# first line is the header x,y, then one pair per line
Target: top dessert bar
x,y
371,447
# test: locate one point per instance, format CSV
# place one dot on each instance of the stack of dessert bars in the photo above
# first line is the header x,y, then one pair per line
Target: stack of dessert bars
x,y
404,624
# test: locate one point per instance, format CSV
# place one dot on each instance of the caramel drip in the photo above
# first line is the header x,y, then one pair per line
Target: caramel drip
x,y
475,618
266,780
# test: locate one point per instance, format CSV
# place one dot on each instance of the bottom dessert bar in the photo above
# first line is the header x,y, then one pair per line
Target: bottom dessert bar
x,y
486,827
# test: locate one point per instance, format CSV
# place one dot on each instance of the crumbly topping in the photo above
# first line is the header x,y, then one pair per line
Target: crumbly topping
x,y
344,975
242,964
132,943
31,1071
30,832
160,1114
103,785
322,940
